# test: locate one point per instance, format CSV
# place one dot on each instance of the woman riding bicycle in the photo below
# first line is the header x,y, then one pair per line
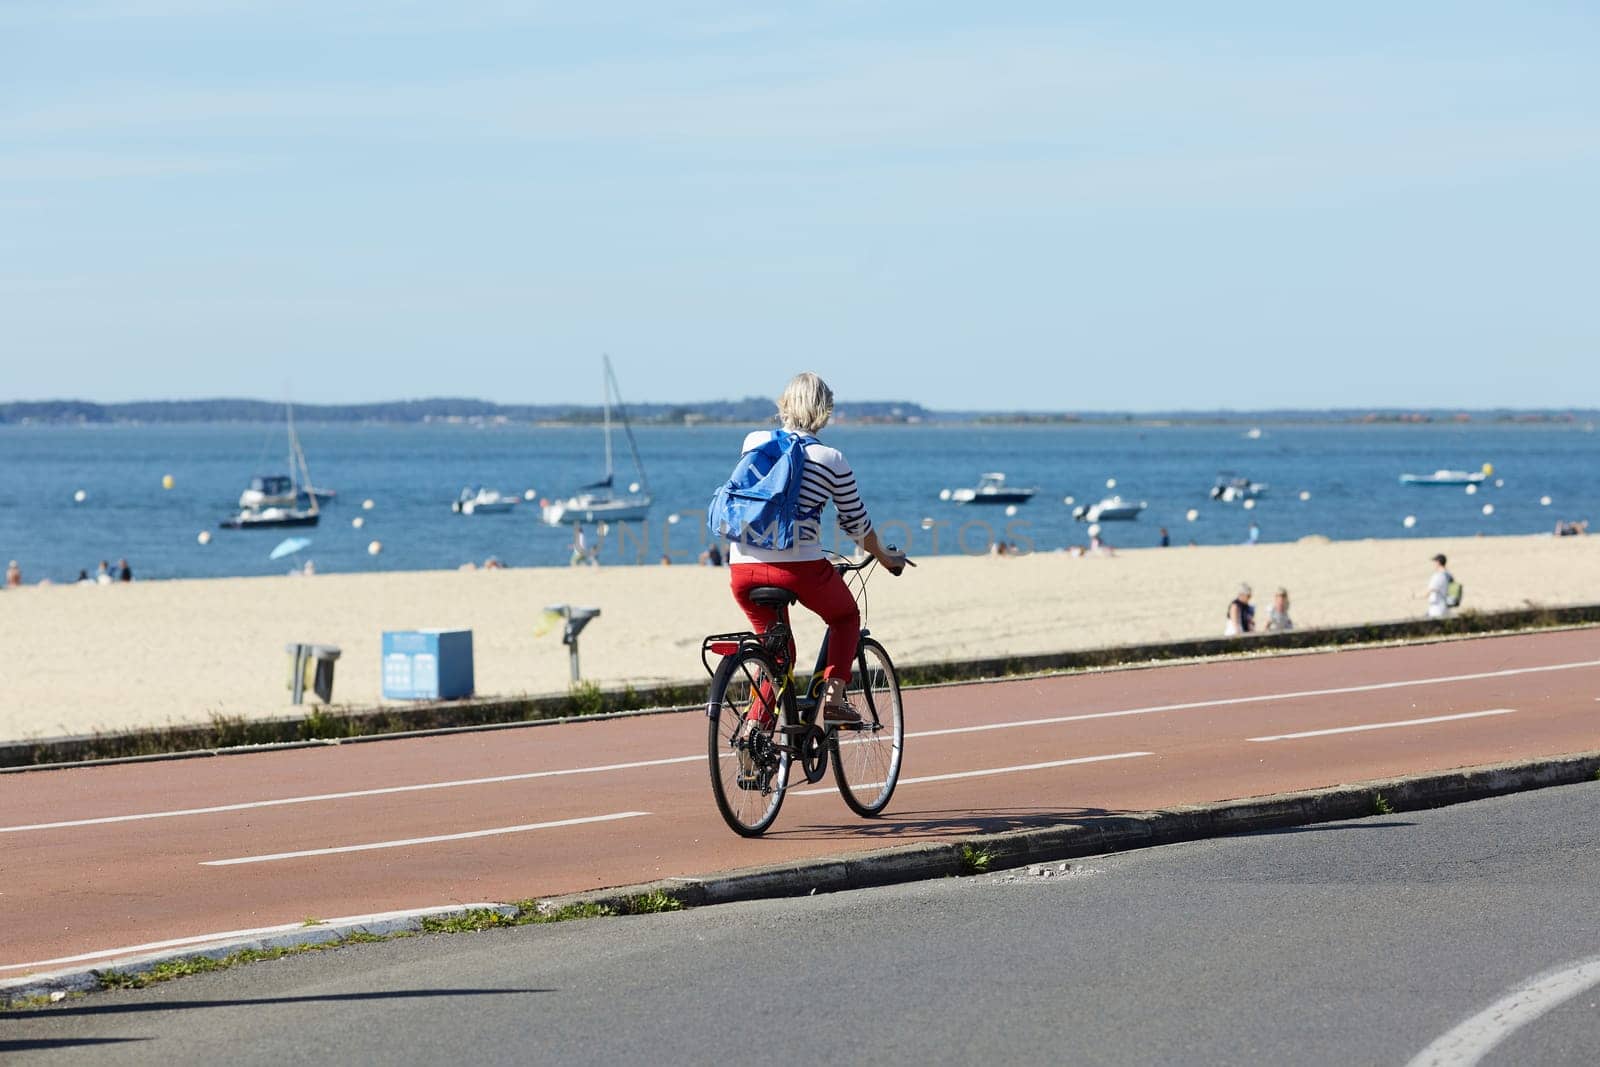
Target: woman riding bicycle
x,y
805,408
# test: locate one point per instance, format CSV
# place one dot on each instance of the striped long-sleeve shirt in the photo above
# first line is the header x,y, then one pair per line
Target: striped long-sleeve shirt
x,y
827,477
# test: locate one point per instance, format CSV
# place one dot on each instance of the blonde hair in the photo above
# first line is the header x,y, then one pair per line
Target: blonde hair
x,y
806,404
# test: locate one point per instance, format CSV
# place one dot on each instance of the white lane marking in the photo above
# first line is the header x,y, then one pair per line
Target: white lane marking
x,y
1257,699
1468,1042
1384,725
978,774
603,768
405,842
351,795
234,935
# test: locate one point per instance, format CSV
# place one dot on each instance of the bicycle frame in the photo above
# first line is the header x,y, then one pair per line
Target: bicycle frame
x,y
776,642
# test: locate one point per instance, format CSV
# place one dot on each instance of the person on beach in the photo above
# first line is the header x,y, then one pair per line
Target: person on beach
x,y
124,572
1438,591
1241,616
84,579
582,552
103,575
805,408
1165,539
13,575
1255,534
1278,617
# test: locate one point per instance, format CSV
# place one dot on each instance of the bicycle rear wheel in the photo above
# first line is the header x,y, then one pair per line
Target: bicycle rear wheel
x,y
748,772
866,758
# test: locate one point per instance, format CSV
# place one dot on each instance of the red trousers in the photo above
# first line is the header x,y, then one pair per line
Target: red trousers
x,y
820,589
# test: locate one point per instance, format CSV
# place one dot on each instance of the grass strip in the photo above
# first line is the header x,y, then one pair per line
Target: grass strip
x,y
527,913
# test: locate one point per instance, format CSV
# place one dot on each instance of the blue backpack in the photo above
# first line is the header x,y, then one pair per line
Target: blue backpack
x,y
759,504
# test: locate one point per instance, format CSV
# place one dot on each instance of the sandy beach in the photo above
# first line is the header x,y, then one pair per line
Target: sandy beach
x,y
85,658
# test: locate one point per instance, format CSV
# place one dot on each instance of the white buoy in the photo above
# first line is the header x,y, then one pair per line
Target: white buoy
x,y
358,522
672,519
1472,490
1069,500
530,496
374,547
80,496
1249,505
1544,501
1192,514
367,504
1409,521
205,537
1305,494
944,494
1011,509
633,487
1488,509
1111,483
1499,483
927,523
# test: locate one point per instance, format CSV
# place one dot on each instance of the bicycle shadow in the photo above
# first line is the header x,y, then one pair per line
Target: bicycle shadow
x,y
935,824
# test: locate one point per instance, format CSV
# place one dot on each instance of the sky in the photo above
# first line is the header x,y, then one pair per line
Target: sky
x,y
1030,205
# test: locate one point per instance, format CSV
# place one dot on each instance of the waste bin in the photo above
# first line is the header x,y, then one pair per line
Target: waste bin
x,y
312,667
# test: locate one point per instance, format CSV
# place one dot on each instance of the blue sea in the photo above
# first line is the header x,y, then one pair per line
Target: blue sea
x,y
411,473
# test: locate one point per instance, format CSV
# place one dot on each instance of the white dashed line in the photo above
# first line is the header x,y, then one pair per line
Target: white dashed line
x,y
976,774
1384,725
409,841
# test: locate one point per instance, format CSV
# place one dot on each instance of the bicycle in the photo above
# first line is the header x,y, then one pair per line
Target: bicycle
x,y
759,727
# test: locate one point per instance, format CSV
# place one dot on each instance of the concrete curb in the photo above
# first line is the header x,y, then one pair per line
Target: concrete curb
x,y
908,863
86,977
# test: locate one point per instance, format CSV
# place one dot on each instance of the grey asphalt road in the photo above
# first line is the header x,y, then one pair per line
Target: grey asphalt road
x,y
1346,943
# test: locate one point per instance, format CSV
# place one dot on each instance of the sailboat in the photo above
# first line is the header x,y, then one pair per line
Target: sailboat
x,y
600,502
291,504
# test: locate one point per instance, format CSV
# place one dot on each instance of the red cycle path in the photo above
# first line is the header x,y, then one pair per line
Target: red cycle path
x,y
69,890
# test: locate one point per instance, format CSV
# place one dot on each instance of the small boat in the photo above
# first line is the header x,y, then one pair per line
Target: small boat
x,y
1111,509
600,502
476,500
294,504
278,490
991,489
1230,487
270,518
1444,477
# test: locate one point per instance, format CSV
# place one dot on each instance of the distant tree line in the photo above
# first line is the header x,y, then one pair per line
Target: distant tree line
x,y
750,409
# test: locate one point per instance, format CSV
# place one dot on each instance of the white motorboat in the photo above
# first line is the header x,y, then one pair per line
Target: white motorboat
x,y
601,502
1111,509
476,500
1444,477
1230,487
991,489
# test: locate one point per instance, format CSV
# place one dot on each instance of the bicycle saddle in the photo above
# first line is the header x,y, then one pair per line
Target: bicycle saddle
x,y
772,596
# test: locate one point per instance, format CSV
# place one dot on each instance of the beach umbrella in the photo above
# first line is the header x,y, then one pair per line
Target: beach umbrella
x,y
288,547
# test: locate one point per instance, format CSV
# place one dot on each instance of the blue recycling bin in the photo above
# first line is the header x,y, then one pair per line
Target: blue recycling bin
x,y
427,664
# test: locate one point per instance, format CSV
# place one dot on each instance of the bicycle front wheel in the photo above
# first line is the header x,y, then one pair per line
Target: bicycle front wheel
x,y
748,771
866,758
